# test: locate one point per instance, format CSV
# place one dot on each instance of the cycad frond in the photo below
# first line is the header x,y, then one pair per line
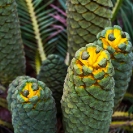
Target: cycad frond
x,y
41,30
63,3
59,37
122,120
35,26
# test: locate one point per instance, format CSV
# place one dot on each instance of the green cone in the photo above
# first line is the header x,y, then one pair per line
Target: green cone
x,y
117,43
88,95
32,106
85,18
52,73
12,61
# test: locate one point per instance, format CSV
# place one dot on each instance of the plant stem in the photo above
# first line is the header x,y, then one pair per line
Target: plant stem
x,y
116,9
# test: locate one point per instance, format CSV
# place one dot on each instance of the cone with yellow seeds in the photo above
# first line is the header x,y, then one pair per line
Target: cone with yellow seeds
x,y
88,95
117,42
32,106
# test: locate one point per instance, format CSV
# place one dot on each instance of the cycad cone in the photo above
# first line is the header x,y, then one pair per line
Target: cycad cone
x,y
52,73
88,95
117,43
32,106
85,18
12,60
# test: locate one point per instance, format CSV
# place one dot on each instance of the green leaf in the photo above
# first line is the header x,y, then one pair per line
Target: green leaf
x,y
116,9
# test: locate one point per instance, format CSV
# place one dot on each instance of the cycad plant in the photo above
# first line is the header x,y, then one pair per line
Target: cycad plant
x,y
43,30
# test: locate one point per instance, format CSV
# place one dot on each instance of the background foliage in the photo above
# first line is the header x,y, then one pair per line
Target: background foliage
x,y
43,30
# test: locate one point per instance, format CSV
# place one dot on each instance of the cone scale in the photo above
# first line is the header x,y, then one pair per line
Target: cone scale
x,y
87,101
32,106
12,60
117,42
